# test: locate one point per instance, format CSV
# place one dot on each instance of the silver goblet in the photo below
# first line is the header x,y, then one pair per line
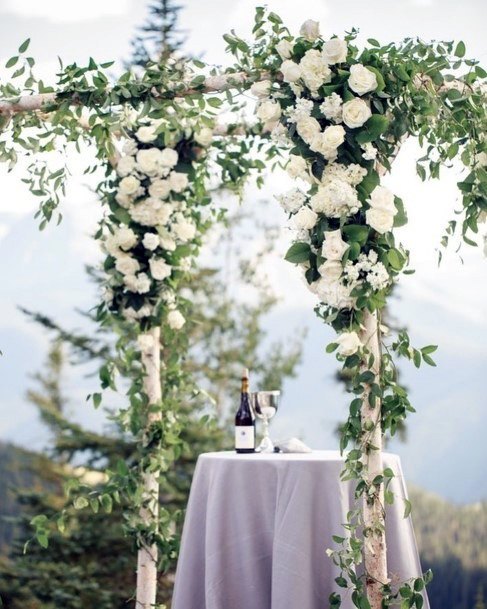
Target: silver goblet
x,y
264,404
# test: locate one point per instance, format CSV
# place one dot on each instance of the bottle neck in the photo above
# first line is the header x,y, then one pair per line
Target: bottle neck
x,y
245,385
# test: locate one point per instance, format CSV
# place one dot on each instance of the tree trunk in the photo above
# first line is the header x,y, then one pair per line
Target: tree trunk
x,y
147,555
375,559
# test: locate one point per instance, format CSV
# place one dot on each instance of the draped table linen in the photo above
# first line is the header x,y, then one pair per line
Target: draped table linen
x,y
257,528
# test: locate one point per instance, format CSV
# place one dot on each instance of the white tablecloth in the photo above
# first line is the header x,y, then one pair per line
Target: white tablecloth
x,y
257,528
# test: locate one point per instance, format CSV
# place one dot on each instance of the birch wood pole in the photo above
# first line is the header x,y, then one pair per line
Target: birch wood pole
x,y
147,555
375,559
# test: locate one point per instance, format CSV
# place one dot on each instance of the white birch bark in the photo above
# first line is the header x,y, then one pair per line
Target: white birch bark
x,y
375,559
147,554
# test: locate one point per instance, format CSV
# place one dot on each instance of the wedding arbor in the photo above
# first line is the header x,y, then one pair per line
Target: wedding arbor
x,y
336,116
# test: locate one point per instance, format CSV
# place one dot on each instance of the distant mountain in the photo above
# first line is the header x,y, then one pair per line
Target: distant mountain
x,y
451,538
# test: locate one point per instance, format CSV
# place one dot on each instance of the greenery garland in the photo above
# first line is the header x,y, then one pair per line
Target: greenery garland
x,y
342,113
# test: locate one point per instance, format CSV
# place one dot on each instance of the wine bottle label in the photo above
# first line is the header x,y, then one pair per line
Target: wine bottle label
x,y
244,437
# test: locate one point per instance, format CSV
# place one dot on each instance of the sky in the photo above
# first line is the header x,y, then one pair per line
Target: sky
x,y
44,271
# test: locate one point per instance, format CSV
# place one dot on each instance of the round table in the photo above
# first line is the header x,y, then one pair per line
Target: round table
x,y
257,528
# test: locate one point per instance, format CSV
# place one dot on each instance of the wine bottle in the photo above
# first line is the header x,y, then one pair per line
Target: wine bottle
x,y
244,420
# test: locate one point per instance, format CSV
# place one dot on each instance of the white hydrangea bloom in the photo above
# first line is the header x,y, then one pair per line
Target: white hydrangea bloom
x,y
331,108
300,110
335,199
292,200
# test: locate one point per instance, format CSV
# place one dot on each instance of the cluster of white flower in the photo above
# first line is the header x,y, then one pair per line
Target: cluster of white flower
x,y
368,269
380,215
151,190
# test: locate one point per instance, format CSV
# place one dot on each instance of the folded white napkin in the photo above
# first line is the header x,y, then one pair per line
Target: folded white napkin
x,y
293,445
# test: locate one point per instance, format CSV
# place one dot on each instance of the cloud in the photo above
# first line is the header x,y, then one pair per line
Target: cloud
x,y
60,11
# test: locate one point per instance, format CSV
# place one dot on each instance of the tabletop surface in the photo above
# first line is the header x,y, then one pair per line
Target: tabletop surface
x,y
315,455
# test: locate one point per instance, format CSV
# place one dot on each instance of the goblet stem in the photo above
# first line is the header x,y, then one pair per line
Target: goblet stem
x,y
266,446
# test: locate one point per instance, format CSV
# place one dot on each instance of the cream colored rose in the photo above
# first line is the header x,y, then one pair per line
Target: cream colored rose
x,y
355,113
204,136
150,241
127,265
184,230
305,219
142,283
327,143
261,89
348,343
335,51
175,319
380,220
125,166
361,79
159,268
307,128
310,30
128,185
382,198
331,270
126,238
268,111
178,181
146,134
284,48
159,189
169,157
297,167
149,161
333,246
291,71
123,200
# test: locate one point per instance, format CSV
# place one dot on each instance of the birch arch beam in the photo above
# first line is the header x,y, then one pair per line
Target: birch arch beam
x,y
338,115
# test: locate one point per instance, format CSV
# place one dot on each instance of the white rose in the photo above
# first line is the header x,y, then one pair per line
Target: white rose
x,y
149,161
291,72
268,111
145,342
204,136
310,30
142,284
159,268
380,220
327,143
335,51
146,134
129,185
305,219
184,230
307,128
382,198
362,80
166,241
159,189
348,343
284,48
175,320
261,89
126,238
355,113
150,241
297,166
331,270
333,293
127,265
178,181
369,152
125,166
169,157
333,246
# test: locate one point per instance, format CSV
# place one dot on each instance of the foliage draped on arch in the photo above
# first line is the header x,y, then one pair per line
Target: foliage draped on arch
x,y
343,113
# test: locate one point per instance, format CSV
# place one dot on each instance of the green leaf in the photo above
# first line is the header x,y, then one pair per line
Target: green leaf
x,y
331,347
298,252
338,539
12,61
96,399
356,232
80,503
373,128
342,582
460,49
373,42
24,46
407,508
395,259
401,218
